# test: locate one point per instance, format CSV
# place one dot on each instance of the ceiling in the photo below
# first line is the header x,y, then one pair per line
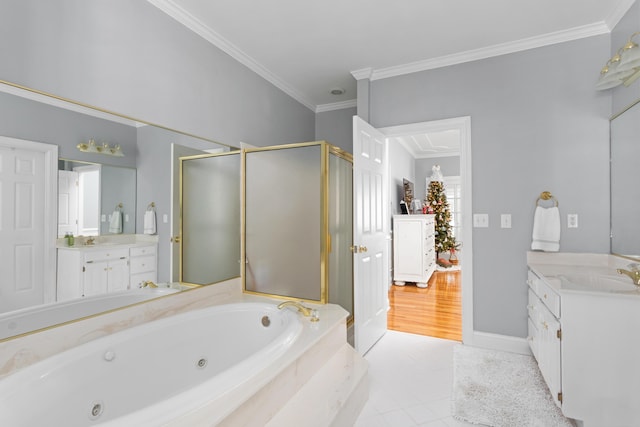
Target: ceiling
x,y
432,144
308,48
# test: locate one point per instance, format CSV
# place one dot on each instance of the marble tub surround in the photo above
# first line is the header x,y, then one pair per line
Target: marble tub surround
x,y
108,240
318,381
39,317
19,352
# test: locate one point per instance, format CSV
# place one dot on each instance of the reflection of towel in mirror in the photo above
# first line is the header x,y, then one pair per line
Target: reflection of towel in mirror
x,y
150,222
546,229
115,222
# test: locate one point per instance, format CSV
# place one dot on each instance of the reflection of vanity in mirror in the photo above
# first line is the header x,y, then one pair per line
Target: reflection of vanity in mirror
x,y
105,258
625,179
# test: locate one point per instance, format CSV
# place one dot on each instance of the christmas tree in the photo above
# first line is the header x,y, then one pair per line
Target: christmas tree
x,y
436,203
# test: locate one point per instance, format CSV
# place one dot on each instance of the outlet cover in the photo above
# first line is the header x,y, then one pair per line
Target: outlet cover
x,y
481,220
572,220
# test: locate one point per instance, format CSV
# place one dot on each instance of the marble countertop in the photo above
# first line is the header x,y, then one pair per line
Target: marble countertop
x,y
593,273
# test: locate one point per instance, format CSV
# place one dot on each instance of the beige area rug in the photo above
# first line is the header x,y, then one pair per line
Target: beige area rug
x,y
500,389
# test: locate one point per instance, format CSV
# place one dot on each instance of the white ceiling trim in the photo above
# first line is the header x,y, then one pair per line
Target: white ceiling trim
x,y
336,105
617,14
483,53
195,25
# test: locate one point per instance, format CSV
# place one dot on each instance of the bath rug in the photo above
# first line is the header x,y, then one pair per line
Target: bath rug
x,y
501,389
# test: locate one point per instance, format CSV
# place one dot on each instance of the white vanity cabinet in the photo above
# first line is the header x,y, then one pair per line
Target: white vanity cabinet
x,y
545,333
92,270
584,320
414,253
144,265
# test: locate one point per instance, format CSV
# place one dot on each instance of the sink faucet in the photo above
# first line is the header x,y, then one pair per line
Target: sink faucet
x,y
90,240
306,311
633,273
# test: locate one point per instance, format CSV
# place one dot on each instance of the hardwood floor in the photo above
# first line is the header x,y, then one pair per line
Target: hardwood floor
x,y
434,311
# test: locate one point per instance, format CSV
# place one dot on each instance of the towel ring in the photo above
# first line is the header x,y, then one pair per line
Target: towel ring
x,y
151,206
119,206
546,195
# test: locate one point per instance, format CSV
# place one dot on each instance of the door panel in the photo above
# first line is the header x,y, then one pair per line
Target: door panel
x,y
371,237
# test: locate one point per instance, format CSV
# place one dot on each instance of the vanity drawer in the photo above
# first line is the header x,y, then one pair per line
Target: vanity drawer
x,y
549,298
143,250
105,254
142,263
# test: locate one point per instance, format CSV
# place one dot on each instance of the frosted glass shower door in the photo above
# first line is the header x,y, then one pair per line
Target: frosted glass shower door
x,y
283,214
341,232
210,218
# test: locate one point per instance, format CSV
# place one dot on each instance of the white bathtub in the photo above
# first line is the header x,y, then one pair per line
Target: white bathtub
x,y
33,318
153,373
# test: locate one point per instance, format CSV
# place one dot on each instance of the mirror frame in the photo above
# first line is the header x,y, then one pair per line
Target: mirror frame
x,y
611,236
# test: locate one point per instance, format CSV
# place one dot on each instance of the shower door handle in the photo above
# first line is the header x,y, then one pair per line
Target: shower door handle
x,y
175,239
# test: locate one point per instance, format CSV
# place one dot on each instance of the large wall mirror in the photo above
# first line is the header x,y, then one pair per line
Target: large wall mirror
x,y
625,176
145,173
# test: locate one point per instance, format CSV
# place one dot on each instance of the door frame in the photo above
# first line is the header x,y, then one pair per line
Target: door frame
x,y
50,211
463,125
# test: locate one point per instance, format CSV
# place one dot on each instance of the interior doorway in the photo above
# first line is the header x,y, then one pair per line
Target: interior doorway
x,y
449,291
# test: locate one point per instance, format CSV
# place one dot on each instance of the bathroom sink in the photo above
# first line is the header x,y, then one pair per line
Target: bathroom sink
x,y
598,283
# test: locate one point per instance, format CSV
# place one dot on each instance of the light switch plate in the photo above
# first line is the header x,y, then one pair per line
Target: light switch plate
x,y
481,220
505,221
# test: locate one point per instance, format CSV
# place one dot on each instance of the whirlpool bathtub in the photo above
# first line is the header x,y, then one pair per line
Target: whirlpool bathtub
x,y
155,373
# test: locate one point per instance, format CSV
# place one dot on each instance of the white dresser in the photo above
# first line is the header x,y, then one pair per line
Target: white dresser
x,y
414,254
91,270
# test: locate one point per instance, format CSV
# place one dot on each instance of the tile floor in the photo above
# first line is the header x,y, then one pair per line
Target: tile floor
x,y
410,382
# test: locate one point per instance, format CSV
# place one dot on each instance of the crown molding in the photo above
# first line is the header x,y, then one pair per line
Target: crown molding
x,y
336,106
616,14
363,73
195,25
489,52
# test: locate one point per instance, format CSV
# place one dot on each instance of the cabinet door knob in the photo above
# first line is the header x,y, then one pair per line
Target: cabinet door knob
x,y
175,239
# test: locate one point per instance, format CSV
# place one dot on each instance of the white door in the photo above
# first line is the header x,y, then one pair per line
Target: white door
x,y
67,203
371,235
27,223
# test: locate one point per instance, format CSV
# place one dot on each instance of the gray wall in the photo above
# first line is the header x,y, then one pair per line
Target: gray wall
x,y
131,58
449,166
336,127
34,121
536,124
402,165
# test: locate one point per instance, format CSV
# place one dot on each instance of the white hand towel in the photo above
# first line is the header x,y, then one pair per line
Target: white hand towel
x,y
115,222
546,229
150,222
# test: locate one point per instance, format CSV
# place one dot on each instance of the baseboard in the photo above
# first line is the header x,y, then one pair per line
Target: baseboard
x,y
500,342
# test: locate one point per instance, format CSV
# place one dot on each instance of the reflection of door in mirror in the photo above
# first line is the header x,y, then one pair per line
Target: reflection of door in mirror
x,y
67,203
88,200
26,231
